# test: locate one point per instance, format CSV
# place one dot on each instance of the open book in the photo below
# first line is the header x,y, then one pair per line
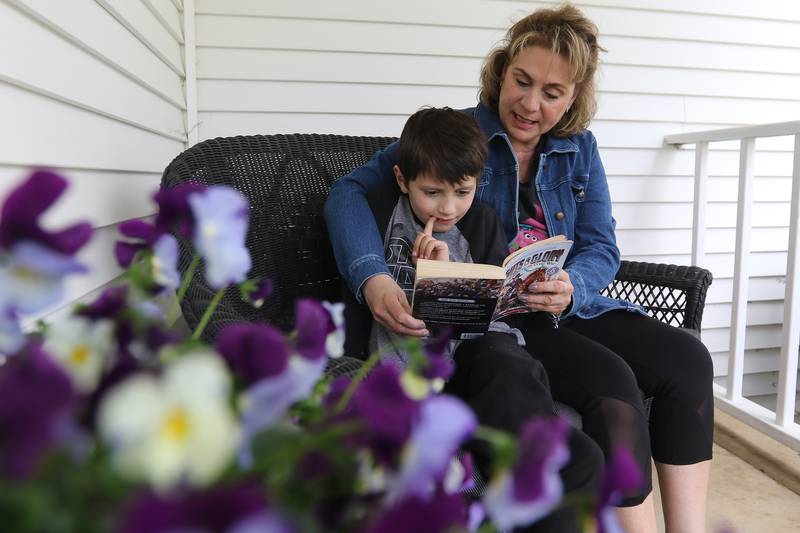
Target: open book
x,y
467,297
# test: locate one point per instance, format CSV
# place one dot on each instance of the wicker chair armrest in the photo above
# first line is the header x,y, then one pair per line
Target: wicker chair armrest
x,y
675,294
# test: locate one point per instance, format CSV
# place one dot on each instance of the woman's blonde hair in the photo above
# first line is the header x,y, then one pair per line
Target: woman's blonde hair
x,y
566,31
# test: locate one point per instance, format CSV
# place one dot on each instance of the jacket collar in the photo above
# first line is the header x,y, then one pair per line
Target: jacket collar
x,y
492,127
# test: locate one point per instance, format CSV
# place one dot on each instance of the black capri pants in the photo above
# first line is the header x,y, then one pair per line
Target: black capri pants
x,y
598,366
506,387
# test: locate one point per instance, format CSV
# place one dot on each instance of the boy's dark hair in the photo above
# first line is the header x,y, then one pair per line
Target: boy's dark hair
x,y
445,143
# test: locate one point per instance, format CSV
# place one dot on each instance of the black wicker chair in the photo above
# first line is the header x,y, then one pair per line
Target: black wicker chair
x,y
286,179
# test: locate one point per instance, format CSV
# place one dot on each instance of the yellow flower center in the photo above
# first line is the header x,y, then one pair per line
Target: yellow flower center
x,y
210,230
79,354
25,274
176,425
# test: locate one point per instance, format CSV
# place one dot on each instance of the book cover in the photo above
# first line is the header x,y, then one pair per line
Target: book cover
x,y
540,261
467,297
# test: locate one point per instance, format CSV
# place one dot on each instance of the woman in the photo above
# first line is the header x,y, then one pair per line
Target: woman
x,y
544,176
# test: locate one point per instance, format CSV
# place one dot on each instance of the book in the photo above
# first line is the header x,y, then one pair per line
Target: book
x,y
467,297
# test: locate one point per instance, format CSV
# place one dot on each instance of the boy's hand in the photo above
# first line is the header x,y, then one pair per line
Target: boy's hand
x,y
426,247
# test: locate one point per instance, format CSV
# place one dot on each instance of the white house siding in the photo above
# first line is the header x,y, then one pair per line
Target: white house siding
x,y
93,90
362,66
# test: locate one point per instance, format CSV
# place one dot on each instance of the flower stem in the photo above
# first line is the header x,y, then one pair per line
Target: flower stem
x,y
187,278
207,315
368,365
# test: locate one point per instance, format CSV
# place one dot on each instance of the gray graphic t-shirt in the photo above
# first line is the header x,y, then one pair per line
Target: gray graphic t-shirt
x,y
398,243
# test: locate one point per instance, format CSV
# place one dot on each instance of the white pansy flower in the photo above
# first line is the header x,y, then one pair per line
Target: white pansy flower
x,y
334,342
82,347
179,428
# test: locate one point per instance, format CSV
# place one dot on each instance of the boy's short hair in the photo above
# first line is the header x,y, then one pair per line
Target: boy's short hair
x,y
445,143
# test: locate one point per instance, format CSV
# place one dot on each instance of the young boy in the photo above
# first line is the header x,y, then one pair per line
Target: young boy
x,y
440,160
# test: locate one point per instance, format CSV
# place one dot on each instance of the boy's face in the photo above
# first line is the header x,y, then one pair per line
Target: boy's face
x,y
430,196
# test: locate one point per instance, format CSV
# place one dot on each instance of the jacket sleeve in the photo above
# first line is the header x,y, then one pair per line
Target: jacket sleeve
x,y
357,243
594,259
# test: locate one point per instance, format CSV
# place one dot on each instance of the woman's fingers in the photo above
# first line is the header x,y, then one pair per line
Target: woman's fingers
x,y
553,296
389,306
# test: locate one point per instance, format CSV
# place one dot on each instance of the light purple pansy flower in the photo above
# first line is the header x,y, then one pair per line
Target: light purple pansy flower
x,y
334,342
444,423
165,262
533,487
220,215
32,276
263,522
622,474
12,339
19,220
270,398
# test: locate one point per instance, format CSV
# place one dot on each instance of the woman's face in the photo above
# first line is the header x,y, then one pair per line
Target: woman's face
x,y
535,92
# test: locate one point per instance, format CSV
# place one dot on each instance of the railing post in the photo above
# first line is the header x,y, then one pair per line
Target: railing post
x,y
740,271
699,209
787,380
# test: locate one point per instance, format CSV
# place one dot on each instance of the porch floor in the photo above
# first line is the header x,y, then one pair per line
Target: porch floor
x,y
741,495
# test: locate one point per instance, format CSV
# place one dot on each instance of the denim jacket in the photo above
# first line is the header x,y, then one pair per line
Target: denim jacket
x,y
571,185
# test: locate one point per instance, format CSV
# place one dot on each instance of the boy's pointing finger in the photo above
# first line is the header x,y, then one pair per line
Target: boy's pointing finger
x,y
429,227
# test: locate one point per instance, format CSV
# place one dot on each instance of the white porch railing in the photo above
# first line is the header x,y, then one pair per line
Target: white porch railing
x,y
779,424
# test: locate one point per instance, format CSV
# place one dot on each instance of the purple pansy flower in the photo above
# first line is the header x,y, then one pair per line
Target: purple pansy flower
x,y
256,292
442,512
219,509
164,261
444,422
533,487
622,474
109,304
253,351
313,323
36,259
174,212
138,328
389,413
220,215
36,396
19,221
145,235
